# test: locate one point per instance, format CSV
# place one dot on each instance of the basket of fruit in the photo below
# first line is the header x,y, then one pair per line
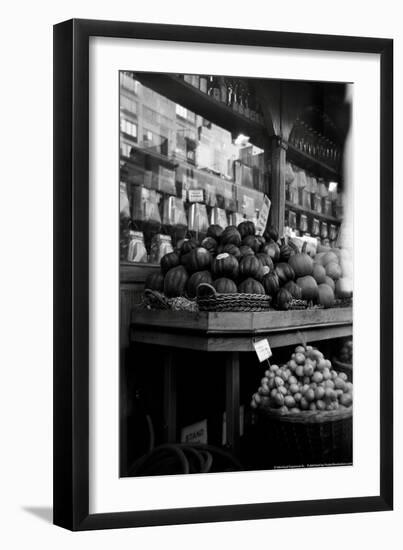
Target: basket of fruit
x,y
307,407
344,362
208,299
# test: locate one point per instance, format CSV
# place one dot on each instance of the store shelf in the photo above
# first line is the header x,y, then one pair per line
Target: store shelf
x,y
298,208
136,272
223,332
179,91
312,164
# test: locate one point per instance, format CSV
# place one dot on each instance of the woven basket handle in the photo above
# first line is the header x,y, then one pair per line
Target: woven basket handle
x,y
205,290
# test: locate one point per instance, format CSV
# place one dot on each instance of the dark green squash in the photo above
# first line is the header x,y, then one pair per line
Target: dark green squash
x,y
249,266
251,286
223,285
198,259
215,231
225,265
273,250
252,242
232,249
155,281
195,280
231,235
284,272
293,289
246,250
187,245
265,260
168,261
285,250
246,228
271,233
175,282
271,284
210,244
283,299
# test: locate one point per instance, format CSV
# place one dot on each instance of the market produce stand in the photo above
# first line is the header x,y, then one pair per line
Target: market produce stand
x,y
229,333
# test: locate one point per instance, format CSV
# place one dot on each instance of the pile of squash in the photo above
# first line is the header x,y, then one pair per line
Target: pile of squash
x,y
236,260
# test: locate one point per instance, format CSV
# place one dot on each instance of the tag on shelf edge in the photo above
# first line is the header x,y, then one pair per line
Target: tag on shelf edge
x,y
262,348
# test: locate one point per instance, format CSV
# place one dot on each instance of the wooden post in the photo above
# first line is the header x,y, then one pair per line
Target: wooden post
x,y
232,401
278,162
169,397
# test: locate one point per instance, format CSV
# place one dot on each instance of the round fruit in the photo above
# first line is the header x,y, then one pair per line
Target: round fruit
x,y
225,265
198,259
289,401
309,288
249,266
246,228
195,280
317,377
232,249
284,272
318,273
253,242
231,235
251,286
333,270
265,260
294,289
214,231
346,399
273,250
224,285
301,263
175,282
283,299
155,281
271,233
300,358
320,405
325,296
330,282
210,244
168,261
319,392
188,245
327,258
271,283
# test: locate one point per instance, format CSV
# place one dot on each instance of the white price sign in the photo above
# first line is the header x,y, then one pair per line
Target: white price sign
x,y
262,348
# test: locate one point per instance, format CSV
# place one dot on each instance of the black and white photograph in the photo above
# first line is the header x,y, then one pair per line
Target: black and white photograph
x,y
236,274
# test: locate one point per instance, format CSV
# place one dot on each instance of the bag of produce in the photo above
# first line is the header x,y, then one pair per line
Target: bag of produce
x,y
160,245
136,251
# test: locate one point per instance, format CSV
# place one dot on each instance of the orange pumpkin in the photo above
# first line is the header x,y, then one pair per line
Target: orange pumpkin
x,y
319,273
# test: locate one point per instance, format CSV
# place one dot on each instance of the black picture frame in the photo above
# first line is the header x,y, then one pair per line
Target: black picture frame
x,y
71,274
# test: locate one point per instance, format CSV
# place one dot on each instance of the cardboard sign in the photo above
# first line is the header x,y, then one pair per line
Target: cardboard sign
x,y
262,349
195,195
263,216
195,433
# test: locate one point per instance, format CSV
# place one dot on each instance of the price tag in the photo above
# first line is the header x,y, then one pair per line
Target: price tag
x,y
195,195
262,349
263,216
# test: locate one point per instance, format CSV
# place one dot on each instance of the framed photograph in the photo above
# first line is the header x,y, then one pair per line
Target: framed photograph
x,y
223,233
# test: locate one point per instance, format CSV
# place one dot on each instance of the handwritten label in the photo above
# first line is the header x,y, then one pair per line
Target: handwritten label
x,y
262,349
195,195
263,216
195,433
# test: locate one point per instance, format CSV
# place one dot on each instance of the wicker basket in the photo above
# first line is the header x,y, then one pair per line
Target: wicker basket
x,y
309,438
347,368
210,300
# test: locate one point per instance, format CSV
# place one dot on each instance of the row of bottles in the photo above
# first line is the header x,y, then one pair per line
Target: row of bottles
x,y
309,140
234,92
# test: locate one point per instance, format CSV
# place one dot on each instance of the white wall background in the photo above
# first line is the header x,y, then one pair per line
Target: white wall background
x,y
26,279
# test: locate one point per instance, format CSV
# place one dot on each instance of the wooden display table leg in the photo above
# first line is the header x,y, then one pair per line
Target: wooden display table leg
x,y
232,400
169,397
